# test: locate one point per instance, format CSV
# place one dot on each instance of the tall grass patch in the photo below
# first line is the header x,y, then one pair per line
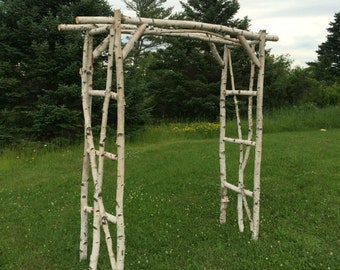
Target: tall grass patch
x,y
301,118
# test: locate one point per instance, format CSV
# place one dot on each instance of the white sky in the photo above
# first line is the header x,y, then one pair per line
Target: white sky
x,y
300,24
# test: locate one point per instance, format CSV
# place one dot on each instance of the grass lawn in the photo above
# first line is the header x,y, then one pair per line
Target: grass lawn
x,y
172,205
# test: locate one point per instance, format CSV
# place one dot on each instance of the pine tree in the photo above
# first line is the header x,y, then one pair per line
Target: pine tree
x,y
39,75
147,9
214,11
190,76
327,66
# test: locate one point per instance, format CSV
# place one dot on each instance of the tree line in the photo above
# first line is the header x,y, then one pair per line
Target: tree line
x,y
165,78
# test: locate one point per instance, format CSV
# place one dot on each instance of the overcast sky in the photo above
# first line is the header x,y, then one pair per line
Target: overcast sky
x,y
300,25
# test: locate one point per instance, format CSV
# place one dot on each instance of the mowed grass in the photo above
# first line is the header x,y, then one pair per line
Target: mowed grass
x,y
172,204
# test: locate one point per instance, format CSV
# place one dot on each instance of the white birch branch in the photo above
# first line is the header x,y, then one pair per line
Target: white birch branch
x,y
239,141
222,157
246,207
191,35
131,43
238,189
250,112
239,132
216,54
177,24
86,79
86,103
109,216
250,134
249,50
107,155
120,142
83,27
240,92
100,30
101,154
108,241
196,34
83,202
101,93
259,131
100,48
75,27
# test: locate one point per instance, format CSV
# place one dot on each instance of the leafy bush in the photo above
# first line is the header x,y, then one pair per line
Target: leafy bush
x,y
327,95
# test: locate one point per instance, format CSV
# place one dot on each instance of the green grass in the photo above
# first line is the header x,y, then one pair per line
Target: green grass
x,y
172,203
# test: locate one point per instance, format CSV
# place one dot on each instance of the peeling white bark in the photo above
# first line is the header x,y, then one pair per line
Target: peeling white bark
x,y
216,54
176,24
239,132
249,51
86,77
101,48
222,157
136,36
259,130
120,142
89,155
240,92
101,155
238,189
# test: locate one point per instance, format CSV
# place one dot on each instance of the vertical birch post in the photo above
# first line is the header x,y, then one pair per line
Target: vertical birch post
x,y
223,175
98,188
120,141
86,78
259,130
250,135
239,132
89,158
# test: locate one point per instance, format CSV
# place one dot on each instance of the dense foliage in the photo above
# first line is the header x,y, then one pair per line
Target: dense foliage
x,y
183,78
39,74
166,78
327,68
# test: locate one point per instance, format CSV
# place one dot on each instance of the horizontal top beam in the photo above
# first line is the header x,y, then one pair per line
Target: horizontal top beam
x,y
177,24
127,29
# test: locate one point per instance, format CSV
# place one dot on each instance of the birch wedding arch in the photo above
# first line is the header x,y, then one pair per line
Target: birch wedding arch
x,y
93,159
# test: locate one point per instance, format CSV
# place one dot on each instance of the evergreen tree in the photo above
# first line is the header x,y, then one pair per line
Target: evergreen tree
x,y
39,75
327,67
147,9
326,70
214,11
190,76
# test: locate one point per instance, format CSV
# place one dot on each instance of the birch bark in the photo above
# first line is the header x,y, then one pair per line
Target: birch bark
x,y
101,48
249,50
259,131
86,78
239,132
136,36
216,54
222,157
250,133
101,156
120,142
176,24
90,154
